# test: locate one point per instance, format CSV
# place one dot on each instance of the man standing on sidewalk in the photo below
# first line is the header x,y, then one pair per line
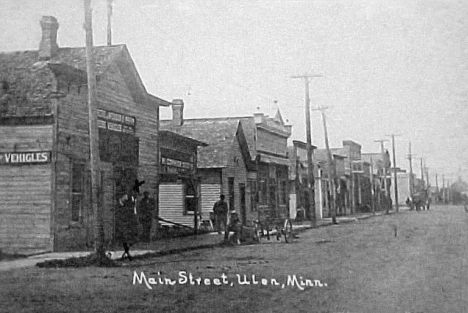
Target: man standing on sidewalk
x,y
220,210
145,212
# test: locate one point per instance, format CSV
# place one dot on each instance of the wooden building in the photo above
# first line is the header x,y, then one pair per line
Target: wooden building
x,y
380,164
223,164
179,189
324,192
44,142
272,134
298,192
352,152
246,159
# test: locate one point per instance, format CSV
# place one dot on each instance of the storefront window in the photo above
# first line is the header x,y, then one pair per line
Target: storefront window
x,y
77,183
190,197
283,193
253,195
231,193
262,192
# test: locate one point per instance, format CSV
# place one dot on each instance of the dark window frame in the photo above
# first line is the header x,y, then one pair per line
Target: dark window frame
x,y
231,193
189,194
252,188
283,192
77,189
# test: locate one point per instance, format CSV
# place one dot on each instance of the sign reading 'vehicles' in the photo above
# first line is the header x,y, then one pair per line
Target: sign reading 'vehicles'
x,y
18,158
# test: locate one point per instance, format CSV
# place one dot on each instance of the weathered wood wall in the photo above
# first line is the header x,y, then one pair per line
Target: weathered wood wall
x,y
25,192
73,146
271,142
237,169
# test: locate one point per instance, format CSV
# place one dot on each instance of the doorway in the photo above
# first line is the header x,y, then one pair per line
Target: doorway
x,y
242,203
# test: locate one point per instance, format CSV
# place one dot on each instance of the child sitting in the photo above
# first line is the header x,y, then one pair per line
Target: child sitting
x,y
235,225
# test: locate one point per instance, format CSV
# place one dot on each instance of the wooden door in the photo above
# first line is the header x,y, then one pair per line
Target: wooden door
x,y
242,204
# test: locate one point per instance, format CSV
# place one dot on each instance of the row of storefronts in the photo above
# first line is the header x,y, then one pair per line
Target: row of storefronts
x,y
185,164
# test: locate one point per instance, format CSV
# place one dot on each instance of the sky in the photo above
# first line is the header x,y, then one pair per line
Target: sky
x,y
387,66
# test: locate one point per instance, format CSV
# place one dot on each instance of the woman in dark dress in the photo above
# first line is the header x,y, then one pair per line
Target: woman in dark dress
x,y
126,223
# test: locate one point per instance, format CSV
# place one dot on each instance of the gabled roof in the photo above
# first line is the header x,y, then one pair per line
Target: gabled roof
x,y
279,117
207,128
29,81
218,133
169,136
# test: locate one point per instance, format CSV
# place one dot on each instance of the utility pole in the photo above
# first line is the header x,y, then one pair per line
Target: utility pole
x,y
372,185
422,173
331,166
94,138
310,166
443,189
384,173
109,22
448,191
426,169
411,178
351,192
437,188
395,173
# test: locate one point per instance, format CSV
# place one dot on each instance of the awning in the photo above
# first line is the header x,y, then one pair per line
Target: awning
x,y
274,159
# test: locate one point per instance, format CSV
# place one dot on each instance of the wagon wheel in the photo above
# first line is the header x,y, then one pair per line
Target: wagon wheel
x,y
287,230
258,232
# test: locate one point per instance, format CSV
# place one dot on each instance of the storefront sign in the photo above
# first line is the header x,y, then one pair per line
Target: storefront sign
x,y
102,124
114,126
169,165
128,129
116,121
19,158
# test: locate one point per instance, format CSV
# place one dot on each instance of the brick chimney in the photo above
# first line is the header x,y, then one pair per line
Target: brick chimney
x,y
177,112
48,46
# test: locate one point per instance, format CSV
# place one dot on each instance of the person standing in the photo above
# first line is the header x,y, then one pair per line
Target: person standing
x,y
126,223
220,210
145,214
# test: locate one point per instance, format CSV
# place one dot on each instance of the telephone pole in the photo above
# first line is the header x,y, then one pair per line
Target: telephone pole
x,y
411,178
109,22
94,138
443,189
426,169
437,188
310,166
422,173
395,173
384,167
449,193
372,185
331,166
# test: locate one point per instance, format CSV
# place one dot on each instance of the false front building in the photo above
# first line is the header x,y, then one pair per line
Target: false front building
x,y
246,160
44,143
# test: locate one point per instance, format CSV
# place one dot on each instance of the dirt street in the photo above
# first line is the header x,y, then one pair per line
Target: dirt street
x,y
407,262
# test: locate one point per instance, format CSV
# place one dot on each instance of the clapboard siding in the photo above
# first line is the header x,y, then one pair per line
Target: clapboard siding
x,y
25,192
171,205
113,94
25,138
209,195
108,199
25,208
73,146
